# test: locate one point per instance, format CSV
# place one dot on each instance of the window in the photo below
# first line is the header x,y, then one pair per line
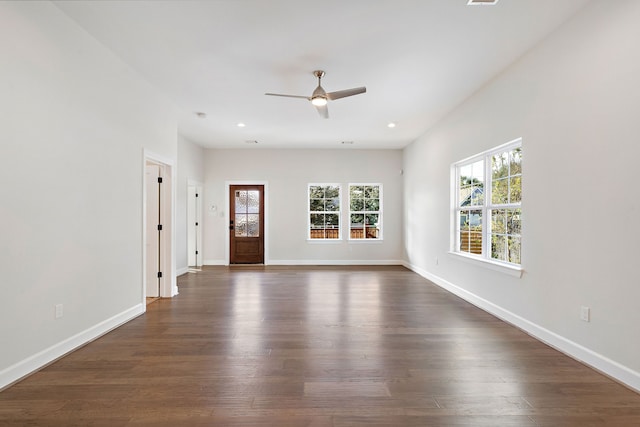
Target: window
x,y
324,211
487,204
365,211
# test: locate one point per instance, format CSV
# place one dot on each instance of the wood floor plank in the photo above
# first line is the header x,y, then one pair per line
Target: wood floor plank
x,y
316,346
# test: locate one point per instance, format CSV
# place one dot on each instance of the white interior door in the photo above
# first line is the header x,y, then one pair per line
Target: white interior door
x,y
153,236
193,229
194,236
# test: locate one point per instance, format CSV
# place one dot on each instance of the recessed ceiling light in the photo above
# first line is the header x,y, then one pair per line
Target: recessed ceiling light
x,y
347,142
482,2
241,125
252,141
201,115
391,125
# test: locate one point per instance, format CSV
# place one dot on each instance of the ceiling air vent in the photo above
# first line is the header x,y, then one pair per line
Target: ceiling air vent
x,y
483,2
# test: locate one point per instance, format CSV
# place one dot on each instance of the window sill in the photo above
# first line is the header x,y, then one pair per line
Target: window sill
x,y
364,241
511,270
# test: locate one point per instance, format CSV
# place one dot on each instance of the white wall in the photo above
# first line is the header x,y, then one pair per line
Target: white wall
x,y
575,101
74,121
190,168
288,172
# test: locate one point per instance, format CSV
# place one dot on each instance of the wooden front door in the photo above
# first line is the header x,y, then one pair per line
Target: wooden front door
x,y
246,224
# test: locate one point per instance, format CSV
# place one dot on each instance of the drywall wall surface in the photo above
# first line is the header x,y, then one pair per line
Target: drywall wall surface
x,y
574,100
288,174
74,124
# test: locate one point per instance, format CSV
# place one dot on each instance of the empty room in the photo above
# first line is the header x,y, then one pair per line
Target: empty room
x,y
324,214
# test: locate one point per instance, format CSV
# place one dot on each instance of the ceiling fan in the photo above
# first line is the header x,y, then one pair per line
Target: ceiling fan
x,y
319,97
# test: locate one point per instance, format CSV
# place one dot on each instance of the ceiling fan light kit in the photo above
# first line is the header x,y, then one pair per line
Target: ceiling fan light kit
x,y
319,98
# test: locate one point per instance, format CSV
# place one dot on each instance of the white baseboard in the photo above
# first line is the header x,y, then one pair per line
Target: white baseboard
x,y
181,271
334,262
572,349
214,262
39,360
318,262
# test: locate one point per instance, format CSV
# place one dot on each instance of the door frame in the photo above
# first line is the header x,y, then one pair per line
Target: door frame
x,y
168,282
227,239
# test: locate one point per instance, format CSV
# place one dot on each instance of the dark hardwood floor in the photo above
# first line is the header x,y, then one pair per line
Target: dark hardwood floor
x,y
316,347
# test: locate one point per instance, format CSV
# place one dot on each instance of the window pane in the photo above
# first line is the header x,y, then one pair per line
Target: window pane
x,y
372,219
513,221
316,192
357,204
317,220
241,225
372,192
316,205
241,201
332,205
498,221
331,220
514,249
515,191
471,231
332,191
372,205
499,247
499,191
357,220
500,165
253,222
356,191
253,201
516,161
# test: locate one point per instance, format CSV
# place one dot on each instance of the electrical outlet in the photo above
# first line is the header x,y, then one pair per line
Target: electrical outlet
x,y
59,312
585,314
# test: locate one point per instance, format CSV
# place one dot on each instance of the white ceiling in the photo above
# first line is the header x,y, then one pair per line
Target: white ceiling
x,y
417,58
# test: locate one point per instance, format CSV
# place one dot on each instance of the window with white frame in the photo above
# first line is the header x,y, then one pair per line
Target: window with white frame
x,y
365,211
324,211
487,200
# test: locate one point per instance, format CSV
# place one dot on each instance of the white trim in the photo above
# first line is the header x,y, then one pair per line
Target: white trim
x,y
43,358
597,361
215,262
324,241
512,270
336,262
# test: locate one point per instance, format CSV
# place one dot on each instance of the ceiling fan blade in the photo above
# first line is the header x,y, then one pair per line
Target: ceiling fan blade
x,y
289,96
322,110
347,92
